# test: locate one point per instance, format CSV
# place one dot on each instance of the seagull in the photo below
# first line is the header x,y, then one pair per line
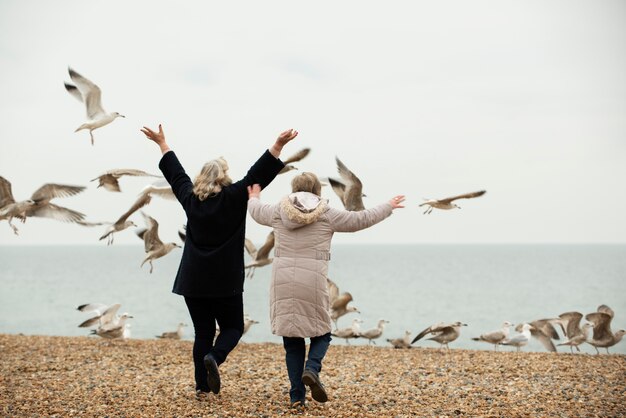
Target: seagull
x,y
401,342
154,247
602,334
261,257
104,314
174,335
349,188
578,339
88,93
118,330
521,339
442,333
544,331
247,323
110,179
122,223
159,188
296,157
39,203
374,333
338,303
447,202
353,332
496,337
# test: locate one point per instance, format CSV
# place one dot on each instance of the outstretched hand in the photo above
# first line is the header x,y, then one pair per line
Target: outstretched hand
x,y
254,191
396,202
281,141
157,137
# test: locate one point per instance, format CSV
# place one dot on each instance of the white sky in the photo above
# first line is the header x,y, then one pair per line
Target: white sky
x,y
524,99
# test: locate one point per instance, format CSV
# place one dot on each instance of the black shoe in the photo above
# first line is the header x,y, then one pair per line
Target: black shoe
x,y
311,379
213,373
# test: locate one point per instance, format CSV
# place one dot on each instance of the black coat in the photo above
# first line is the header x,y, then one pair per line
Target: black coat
x,y
212,263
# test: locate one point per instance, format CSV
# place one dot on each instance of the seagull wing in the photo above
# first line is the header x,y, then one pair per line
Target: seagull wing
x,y
109,313
142,201
91,94
297,156
6,195
463,196
73,90
130,172
53,211
606,310
571,323
264,251
182,235
98,308
151,236
339,188
159,188
601,324
250,248
421,334
353,195
333,291
50,191
342,301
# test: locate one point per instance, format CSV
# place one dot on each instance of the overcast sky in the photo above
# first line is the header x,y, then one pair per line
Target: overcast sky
x,y
525,99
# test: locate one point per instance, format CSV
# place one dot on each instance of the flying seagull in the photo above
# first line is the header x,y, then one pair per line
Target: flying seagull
x,y
88,93
39,203
543,330
447,202
260,257
110,179
338,302
154,247
294,158
349,188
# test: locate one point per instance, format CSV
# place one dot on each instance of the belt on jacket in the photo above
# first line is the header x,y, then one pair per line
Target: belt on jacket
x,y
315,254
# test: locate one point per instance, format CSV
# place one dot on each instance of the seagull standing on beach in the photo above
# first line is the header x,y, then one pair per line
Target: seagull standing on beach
x,y
110,179
578,339
338,303
496,337
372,334
88,93
294,158
347,333
39,203
447,204
261,256
349,188
404,342
117,329
520,339
154,247
174,335
442,333
602,334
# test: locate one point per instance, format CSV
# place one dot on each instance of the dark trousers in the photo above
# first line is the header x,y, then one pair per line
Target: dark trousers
x,y
228,312
295,352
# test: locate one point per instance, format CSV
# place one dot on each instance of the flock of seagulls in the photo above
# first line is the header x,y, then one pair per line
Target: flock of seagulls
x,y
543,330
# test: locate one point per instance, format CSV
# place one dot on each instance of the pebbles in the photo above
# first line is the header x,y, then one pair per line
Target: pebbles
x,y
81,376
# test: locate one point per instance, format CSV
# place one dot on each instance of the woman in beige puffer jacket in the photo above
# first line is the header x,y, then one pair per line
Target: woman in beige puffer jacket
x,y
304,225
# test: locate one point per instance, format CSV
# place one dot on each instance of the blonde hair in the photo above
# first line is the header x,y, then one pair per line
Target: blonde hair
x,y
306,182
212,177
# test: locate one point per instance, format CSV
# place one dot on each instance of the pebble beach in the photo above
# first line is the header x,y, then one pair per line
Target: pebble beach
x,y
85,376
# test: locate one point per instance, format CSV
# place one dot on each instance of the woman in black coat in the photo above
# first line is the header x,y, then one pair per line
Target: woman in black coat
x,y
211,271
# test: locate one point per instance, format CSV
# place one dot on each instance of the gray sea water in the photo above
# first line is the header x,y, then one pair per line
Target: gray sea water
x,y
411,286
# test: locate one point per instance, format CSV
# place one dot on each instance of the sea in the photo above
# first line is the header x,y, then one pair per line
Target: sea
x,y
411,286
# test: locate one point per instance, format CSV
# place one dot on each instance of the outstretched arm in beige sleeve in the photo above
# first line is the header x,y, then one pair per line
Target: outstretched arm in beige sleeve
x,y
260,212
346,221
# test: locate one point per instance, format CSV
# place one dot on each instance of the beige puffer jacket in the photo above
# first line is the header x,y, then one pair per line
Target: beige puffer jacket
x,y
304,225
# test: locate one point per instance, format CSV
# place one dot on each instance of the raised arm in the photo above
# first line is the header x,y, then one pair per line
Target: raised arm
x,y
172,169
260,212
347,221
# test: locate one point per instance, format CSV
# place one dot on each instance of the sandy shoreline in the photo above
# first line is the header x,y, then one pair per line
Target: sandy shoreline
x,y
81,376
